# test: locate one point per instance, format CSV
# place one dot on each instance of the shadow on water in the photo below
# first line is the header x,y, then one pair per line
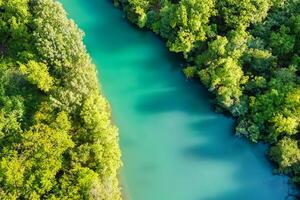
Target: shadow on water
x,y
167,100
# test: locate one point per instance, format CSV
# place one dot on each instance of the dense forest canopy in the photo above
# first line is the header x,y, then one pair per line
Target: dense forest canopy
x,y
247,53
56,136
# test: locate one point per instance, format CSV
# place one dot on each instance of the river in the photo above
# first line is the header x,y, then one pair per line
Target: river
x,y
174,146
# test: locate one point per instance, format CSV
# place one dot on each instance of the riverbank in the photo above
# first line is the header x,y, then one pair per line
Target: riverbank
x,y
241,61
57,140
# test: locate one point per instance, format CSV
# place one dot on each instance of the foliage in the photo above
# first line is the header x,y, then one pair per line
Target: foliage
x,y
37,73
56,136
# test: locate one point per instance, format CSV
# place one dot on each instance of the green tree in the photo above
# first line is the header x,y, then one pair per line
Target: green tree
x,y
243,12
282,42
37,73
286,153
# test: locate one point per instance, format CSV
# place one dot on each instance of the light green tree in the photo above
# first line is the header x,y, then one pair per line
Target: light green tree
x,y
37,73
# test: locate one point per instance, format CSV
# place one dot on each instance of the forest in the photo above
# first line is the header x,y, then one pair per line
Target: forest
x,y
247,53
57,140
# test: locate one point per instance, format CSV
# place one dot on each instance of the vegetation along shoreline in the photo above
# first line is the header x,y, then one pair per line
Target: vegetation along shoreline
x,y
56,136
247,53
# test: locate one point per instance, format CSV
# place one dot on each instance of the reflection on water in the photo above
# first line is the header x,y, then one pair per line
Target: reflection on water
x,y
174,146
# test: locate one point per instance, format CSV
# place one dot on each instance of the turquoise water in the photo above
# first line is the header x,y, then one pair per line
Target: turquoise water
x,y
174,146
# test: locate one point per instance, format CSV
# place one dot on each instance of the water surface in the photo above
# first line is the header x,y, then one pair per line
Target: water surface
x,y
174,146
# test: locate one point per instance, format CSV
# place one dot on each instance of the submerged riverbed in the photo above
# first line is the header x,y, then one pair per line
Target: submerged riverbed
x,y
174,146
